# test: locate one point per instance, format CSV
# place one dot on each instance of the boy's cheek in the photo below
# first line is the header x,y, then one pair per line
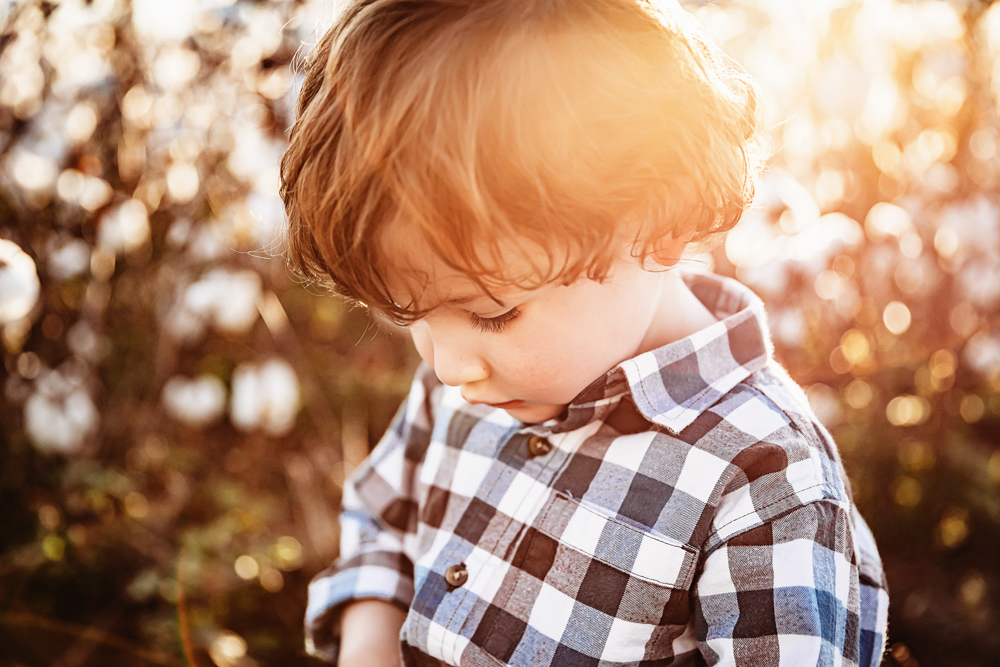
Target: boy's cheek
x,y
542,378
422,341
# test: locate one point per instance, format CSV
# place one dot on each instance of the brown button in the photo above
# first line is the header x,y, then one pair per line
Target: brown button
x,y
538,446
456,575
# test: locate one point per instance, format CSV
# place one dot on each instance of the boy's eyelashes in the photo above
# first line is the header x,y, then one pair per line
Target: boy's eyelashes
x,y
494,324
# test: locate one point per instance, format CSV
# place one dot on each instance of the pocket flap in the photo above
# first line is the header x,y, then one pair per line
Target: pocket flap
x,y
615,543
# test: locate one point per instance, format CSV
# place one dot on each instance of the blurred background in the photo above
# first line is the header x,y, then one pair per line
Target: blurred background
x,y
178,414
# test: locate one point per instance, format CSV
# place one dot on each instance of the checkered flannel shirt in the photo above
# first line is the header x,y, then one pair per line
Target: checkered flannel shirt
x,y
687,508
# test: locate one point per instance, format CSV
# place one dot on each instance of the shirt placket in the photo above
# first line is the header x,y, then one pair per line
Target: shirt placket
x,y
523,452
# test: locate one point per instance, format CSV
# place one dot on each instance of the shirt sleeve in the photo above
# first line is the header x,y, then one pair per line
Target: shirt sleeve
x,y
377,520
793,592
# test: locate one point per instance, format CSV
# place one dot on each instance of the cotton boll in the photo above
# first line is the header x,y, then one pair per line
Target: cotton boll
x,y
818,241
982,353
60,415
266,211
789,327
253,152
86,343
19,285
266,397
208,243
770,278
175,67
183,325
974,225
125,229
238,312
980,282
68,259
197,401
841,87
226,299
33,172
164,21
56,426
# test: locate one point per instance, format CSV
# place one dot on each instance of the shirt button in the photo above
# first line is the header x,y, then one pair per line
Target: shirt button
x,y
538,446
456,575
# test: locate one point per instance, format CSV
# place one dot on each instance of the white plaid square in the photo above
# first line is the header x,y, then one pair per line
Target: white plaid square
x,y
628,451
700,474
798,650
659,561
796,564
432,462
551,612
470,469
584,530
685,642
375,579
736,513
803,476
627,641
445,644
755,418
723,649
523,497
846,573
486,573
717,579
709,335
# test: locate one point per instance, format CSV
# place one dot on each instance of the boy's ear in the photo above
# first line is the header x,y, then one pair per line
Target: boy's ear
x,y
667,250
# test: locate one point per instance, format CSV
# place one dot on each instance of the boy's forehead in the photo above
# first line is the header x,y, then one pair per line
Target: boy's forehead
x,y
418,277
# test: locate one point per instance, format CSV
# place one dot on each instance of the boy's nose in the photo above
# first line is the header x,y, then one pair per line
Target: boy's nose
x,y
456,369
453,363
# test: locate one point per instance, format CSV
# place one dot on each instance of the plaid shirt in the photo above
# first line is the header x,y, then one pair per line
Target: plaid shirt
x,y
687,508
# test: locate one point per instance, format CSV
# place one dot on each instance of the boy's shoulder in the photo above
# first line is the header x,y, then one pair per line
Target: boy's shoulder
x,y
772,455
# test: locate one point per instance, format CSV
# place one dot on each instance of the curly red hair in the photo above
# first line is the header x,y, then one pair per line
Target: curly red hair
x,y
566,125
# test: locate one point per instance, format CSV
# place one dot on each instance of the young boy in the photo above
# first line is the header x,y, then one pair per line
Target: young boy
x,y
598,463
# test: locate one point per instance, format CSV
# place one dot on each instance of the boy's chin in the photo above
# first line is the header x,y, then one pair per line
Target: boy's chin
x,y
534,413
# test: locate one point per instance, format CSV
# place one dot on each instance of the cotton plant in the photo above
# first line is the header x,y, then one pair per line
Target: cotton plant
x,y
197,402
222,299
19,285
265,396
60,416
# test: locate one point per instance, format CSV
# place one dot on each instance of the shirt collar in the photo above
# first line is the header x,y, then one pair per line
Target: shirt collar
x,y
672,385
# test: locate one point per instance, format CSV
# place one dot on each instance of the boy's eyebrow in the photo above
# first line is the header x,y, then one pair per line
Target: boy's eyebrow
x,y
460,300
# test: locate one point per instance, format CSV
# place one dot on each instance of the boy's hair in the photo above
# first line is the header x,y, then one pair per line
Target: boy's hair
x,y
570,126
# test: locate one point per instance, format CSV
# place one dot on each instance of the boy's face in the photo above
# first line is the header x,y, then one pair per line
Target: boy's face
x,y
533,352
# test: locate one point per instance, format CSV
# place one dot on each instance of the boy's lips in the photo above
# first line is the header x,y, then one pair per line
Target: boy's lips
x,y
506,405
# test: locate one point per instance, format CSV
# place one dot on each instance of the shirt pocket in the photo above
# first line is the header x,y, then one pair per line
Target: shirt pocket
x,y
643,555
589,586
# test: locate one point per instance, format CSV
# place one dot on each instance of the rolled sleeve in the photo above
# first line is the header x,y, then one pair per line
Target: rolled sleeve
x,y
377,569
379,516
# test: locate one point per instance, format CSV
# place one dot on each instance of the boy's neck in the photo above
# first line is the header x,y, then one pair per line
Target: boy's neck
x,y
677,314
